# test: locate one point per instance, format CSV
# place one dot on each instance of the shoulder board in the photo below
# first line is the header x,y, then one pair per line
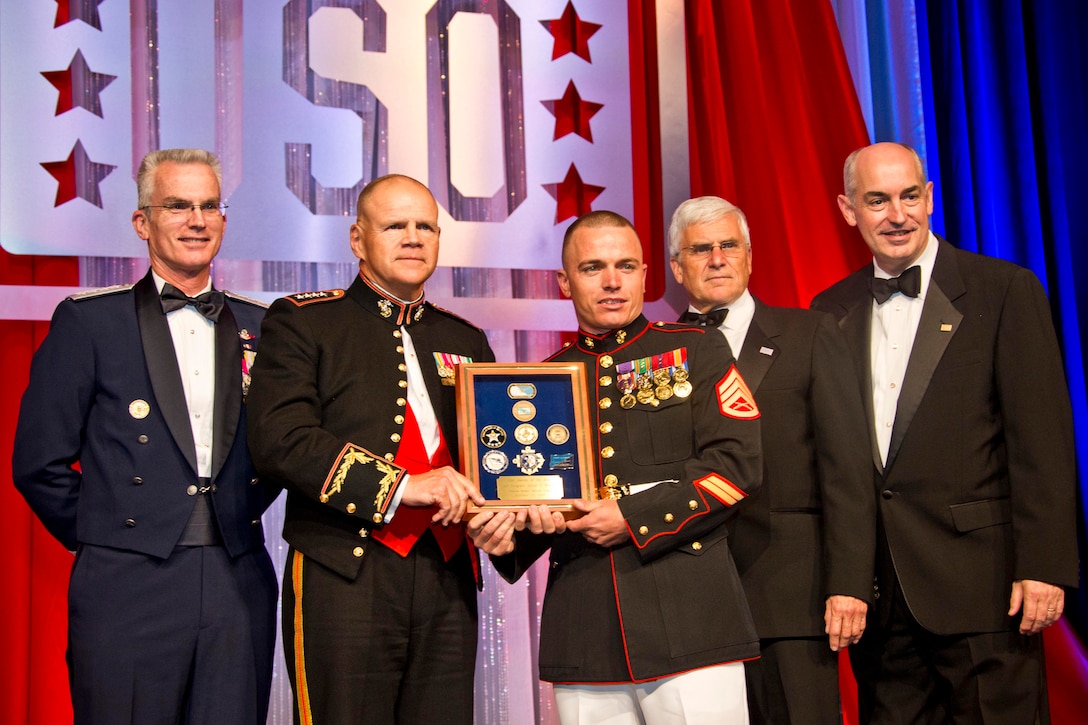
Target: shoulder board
x,y
453,315
100,292
243,298
301,299
677,327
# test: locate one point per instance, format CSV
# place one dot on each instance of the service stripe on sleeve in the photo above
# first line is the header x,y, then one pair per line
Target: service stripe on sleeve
x,y
720,489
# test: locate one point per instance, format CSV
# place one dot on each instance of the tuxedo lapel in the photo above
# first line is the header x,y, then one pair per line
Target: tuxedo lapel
x,y
856,327
228,387
162,366
758,352
939,322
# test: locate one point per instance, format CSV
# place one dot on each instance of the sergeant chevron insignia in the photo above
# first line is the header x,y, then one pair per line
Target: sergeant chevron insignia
x,y
734,398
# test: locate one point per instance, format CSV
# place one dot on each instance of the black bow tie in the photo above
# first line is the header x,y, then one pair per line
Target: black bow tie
x,y
209,304
909,283
714,318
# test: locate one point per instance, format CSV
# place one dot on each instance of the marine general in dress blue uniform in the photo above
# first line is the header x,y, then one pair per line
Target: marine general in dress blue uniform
x,y
353,411
131,449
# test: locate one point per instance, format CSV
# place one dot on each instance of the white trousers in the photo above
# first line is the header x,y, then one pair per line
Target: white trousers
x,y
708,696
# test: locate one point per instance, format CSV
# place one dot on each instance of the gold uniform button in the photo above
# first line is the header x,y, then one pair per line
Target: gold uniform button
x,y
402,367
608,451
400,349
605,380
611,480
395,437
323,498
398,419
363,533
668,518
605,427
396,333
606,361
643,530
191,490
358,552
376,518
402,383
350,508
605,403
696,546
693,505
389,457
402,402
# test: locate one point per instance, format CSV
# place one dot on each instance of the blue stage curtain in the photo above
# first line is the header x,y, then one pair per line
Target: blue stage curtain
x,y
1008,106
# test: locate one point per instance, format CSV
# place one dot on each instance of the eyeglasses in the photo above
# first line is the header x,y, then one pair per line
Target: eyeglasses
x,y
730,248
184,208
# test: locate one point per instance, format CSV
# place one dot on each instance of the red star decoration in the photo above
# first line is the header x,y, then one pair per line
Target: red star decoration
x,y
78,176
571,34
85,10
572,114
78,86
573,197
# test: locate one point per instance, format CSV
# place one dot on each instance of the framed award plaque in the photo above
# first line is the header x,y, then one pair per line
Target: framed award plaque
x,y
524,431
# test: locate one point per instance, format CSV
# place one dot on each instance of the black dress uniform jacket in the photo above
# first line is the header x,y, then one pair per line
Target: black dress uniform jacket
x,y
979,486
669,600
329,397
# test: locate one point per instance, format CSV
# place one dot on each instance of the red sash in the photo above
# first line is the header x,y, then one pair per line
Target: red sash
x,y
409,522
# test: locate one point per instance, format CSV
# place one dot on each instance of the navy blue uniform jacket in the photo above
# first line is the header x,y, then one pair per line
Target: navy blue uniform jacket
x,y
89,384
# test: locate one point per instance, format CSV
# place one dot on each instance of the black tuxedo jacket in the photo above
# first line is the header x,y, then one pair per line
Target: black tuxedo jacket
x,y
105,393
979,486
810,530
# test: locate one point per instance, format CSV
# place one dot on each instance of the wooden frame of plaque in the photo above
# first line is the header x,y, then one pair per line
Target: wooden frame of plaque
x,y
525,434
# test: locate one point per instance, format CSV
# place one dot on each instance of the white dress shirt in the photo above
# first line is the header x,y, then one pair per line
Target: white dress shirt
x,y
194,346
736,323
893,327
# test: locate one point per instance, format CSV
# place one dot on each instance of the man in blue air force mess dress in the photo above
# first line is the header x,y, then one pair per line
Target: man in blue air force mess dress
x,y
131,449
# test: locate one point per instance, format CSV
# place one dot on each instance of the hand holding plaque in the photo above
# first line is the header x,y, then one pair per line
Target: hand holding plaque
x,y
522,434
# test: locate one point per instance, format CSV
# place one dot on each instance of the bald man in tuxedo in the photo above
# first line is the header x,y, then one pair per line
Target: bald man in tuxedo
x,y
971,440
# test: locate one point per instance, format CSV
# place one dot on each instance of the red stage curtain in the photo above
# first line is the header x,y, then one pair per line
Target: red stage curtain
x,y
773,114
34,608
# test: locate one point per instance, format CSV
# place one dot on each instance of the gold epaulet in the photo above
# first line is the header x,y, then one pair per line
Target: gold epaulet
x,y
101,291
248,300
301,299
